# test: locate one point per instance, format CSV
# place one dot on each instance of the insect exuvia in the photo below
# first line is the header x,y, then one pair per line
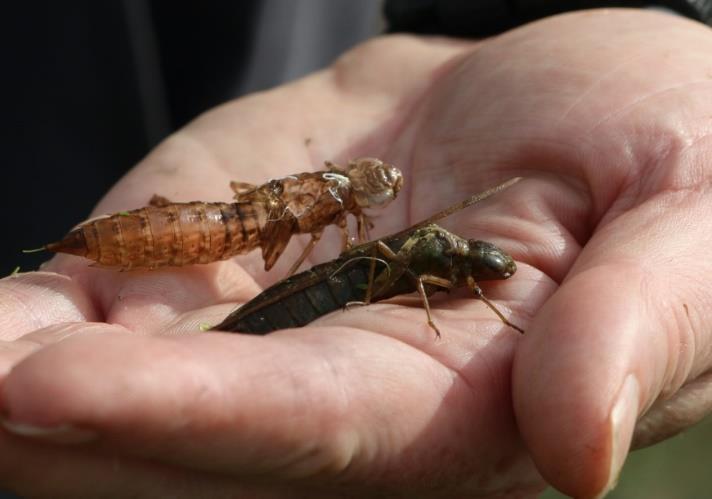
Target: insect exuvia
x,y
425,258
266,216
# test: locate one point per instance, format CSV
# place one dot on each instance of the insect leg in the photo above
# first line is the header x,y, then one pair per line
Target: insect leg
x,y
241,188
159,201
437,281
315,236
333,167
364,226
345,236
371,277
391,276
480,295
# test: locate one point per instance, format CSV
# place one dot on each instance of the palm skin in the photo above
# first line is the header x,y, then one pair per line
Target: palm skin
x,y
609,229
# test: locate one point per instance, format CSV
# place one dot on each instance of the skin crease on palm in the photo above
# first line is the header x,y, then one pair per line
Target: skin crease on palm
x,y
606,114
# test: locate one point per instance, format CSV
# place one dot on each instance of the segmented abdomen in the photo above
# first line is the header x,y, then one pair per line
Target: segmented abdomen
x,y
173,235
279,307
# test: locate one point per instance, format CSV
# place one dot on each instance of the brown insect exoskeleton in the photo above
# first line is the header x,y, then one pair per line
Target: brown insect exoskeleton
x,y
266,216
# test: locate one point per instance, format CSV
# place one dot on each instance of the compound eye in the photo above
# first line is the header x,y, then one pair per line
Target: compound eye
x,y
496,262
500,264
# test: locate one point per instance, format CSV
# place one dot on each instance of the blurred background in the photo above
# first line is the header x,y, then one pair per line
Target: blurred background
x,y
88,88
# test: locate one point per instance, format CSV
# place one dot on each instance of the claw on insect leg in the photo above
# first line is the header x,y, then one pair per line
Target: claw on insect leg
x,y
435,328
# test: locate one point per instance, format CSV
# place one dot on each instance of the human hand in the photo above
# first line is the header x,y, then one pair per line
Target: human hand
x,y
367,401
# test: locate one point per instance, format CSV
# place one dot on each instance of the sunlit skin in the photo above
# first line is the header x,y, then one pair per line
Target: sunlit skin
x,y
607,116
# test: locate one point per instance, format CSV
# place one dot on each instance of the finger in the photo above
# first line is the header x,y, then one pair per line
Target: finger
x,y
32,469
12,352
626,328
41,470
292,404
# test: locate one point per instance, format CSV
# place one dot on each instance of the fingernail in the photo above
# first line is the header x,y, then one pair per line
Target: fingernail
x,y
60,434
623,417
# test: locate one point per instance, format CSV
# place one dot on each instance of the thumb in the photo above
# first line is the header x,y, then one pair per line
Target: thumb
x,y
627,327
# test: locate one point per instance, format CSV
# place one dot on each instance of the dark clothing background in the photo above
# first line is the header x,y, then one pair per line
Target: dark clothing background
x,y
88,88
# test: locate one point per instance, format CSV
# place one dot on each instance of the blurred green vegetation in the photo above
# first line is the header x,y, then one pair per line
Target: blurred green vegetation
x,y
678,468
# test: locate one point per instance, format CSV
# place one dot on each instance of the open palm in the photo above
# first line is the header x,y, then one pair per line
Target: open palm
x,y
607,227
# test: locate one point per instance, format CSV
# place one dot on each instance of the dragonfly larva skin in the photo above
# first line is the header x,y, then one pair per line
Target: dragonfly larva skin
x,y
266,216
174,235
429,250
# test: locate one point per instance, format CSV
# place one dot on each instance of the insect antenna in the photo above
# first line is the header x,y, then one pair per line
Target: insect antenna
x,y
476,198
